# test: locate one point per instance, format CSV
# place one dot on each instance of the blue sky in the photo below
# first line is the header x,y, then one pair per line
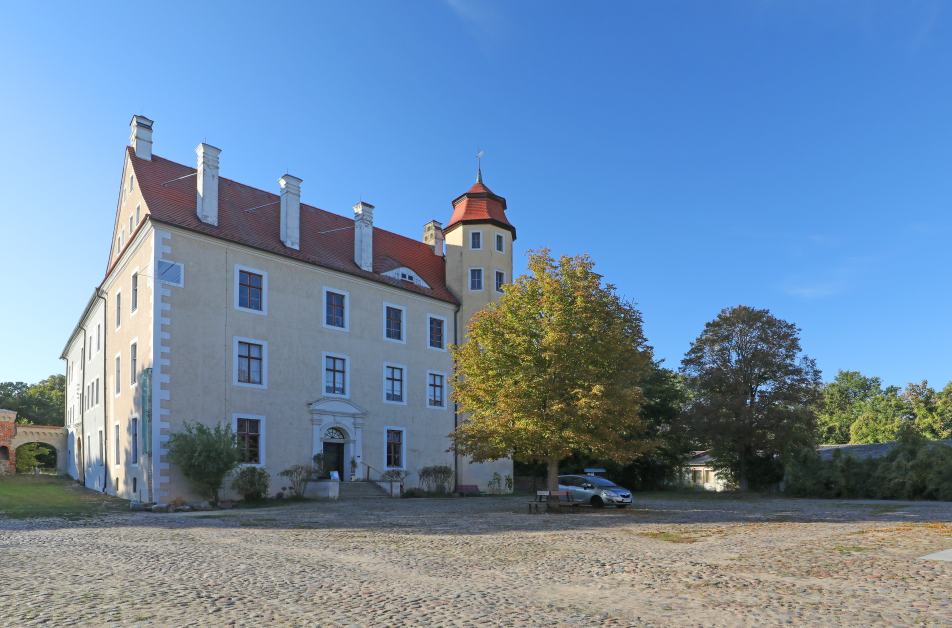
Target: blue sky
x,y
792,155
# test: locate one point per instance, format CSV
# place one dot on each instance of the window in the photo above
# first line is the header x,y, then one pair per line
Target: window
x,y
436,332
96,403
249,290
405,276
118,373
475,278
335,375
135,442
500,243
97,337
393,383
133,354
249,440
500,280
131,183
118,310
394,323
394,449
334,434
131,225
334,314
249,363
102,448
117,445
122,236
118,246
170,273
138,214
434,393
476,240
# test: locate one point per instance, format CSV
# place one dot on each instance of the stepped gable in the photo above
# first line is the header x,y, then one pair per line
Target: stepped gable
x,y
175,203
480,205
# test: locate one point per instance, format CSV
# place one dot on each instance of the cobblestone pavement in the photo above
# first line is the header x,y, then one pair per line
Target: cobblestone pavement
x,y
690,561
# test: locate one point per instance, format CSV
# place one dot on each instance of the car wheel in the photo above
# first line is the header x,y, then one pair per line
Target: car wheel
x,y
597,502
621,505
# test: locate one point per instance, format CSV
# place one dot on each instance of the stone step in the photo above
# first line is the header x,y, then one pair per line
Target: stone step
x,y
361,490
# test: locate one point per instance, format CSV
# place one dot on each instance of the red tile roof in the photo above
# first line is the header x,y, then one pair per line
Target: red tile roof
x,y
175,203
479,204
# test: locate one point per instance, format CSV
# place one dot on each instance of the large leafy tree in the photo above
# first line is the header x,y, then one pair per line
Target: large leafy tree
x,y
752,391
553,368
840,405
41,404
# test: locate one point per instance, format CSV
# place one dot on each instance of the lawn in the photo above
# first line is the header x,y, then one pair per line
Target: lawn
x,y
24,496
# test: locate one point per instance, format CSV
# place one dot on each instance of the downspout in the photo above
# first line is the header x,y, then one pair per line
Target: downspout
x,y
105,414
456,405
82,406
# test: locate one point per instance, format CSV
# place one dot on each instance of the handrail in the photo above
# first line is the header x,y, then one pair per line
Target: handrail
x,y
369,468
379,478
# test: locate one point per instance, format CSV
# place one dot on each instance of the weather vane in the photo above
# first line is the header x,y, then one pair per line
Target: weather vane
x,y
479,166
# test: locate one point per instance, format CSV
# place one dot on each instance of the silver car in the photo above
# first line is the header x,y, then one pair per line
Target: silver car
x,y
595,490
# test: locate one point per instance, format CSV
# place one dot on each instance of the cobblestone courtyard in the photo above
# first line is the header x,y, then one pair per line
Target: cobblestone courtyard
x,y
668,561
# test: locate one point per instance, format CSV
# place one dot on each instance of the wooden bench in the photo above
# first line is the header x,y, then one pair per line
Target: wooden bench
x,y
546,497
468,489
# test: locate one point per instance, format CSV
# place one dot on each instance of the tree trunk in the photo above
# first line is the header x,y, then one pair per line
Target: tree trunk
x,y
553,474
742,480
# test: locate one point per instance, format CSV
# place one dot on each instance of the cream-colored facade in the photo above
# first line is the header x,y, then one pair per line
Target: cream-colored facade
x,y
173,329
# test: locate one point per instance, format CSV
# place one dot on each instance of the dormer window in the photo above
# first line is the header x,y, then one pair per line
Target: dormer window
x,y
406,276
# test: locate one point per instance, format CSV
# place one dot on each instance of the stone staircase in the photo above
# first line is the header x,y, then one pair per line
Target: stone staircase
x,y
361,490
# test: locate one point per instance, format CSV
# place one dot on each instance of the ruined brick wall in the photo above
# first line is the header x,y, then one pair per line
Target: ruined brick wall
x,y
7,432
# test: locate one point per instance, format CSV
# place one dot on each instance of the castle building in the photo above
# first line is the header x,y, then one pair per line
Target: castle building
x,y
307,331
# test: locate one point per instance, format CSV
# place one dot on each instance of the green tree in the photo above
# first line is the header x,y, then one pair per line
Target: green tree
x,y
205,456
41,404
551,369
841,403
27,457
752,392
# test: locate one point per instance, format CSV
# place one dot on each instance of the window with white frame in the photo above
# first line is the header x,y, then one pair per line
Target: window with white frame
x,y
475,279
395,443
131,224
131,183
118,310
500,243
435,389
436,332
97,337
394,378
116,447
249,440
133,358
251,290
393,323
476,240
250,362
96,389
335,374
500,280
335,309
134,440
118,373
135,292
138,214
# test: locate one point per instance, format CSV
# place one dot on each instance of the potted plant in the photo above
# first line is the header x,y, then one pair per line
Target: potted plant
x,y
353,468
318,487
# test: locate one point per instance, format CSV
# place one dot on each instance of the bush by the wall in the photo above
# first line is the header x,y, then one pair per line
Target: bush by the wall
x,y
916,468
252,483
437,478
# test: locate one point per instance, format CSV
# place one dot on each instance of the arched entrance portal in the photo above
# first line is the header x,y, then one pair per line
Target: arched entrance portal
x,y
337,433
35,455
48,435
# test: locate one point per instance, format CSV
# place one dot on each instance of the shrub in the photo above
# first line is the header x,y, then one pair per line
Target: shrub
x,y
916,468
320,465
298,475
395,475
495,485
437,478
252,483
414,492
206,456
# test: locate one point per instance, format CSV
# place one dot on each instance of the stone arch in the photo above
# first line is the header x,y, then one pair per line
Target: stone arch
x,y
52,436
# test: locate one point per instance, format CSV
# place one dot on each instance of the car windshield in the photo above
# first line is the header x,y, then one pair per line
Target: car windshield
x,y
599,481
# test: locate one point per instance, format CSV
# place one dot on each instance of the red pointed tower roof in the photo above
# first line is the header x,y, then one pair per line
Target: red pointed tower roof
x,y
480,205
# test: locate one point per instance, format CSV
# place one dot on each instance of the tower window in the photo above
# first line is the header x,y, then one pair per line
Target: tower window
x,y
476,240
475,278
500,243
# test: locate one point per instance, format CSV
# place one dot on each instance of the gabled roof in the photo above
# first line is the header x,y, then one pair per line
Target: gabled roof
x,y
865,450
480,205
327,239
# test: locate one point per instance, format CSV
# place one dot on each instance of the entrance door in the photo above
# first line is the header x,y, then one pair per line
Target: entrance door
x,y
334,457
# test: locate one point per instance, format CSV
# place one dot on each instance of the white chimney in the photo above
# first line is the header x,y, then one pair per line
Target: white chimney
x,y
208,183
433,235
364,235
290,211
141,137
